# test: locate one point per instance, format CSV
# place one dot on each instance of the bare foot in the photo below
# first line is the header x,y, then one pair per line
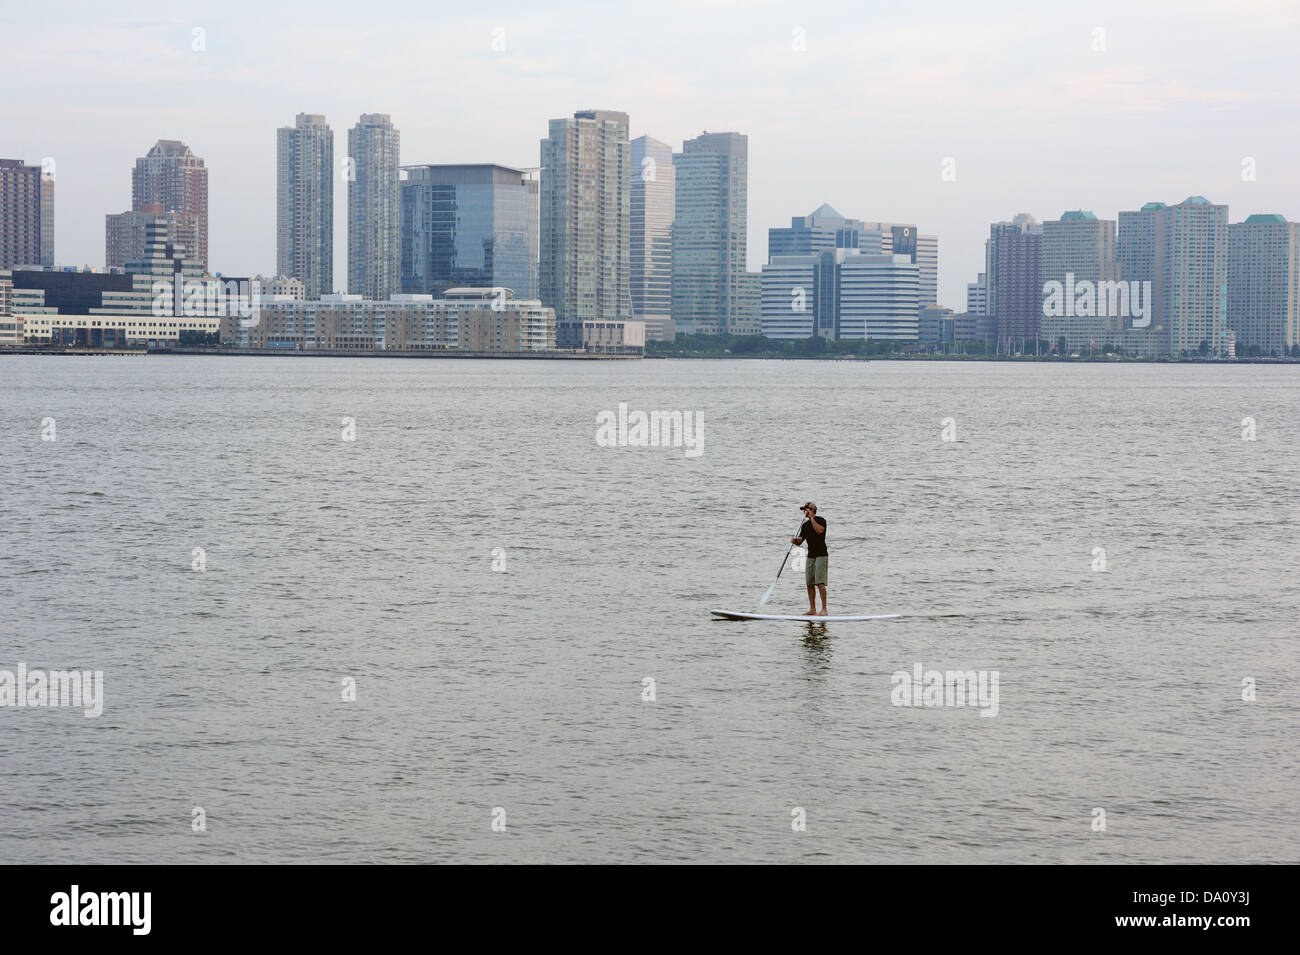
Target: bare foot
x,y
810,613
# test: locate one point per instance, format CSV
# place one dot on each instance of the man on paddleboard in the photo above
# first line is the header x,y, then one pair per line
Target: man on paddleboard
x,y
813,530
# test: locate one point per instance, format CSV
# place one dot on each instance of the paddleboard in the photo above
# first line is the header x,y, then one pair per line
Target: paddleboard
x,y
737,615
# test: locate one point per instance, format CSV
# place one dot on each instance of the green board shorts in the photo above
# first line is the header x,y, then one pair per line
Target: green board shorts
x,y
814,570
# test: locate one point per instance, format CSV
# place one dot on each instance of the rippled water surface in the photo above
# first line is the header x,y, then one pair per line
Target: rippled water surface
x,y
522,691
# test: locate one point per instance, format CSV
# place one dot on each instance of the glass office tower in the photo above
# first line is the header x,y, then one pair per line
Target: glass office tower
x,y
469,226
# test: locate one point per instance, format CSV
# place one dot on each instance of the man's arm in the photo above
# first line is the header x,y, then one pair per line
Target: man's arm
x,y
819,525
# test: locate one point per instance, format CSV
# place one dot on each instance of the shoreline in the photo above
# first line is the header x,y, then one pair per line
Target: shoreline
x,y
312,353
583,356
1023,359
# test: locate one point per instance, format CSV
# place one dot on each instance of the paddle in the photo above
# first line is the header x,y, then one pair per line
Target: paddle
x,y
768,596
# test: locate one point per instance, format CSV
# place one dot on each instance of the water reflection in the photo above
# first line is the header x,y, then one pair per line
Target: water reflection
x,y
816,640
815,635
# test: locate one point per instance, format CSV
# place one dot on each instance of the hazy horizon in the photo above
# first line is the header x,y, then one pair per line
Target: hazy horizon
x,y
862,118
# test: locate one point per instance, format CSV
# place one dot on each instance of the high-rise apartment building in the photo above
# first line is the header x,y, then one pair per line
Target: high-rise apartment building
x,y
654,187
26,215
374,207
171,176
1013,266
1264,285
586,207
1079,253
469,226
1182,250
1135,248
709,233
304,247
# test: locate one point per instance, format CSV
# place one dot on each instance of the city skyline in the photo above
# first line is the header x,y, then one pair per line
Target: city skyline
x,y
122,233
1012,99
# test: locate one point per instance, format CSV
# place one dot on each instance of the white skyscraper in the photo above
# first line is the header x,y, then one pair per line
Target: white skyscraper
x,y
841,294
1079,248
788,297
653,198
1264,285
304,247
585,236
374,207
1183,251
878,297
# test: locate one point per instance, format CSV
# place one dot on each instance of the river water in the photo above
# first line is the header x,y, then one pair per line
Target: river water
x,y
243,545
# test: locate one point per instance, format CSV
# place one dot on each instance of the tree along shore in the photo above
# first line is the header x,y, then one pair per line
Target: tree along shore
x,y
756,346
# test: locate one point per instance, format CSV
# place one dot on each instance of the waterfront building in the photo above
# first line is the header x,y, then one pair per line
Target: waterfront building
x,y
653,200
585,233
479,320
819,231
1014,293
135,307
709,242
468,226
1079,253
304,247
1264,285
841,294
788,298
1182,250
825,229
11,325
26,215
124,233
935,325
977,296
971,327
749,309
171,176
374,207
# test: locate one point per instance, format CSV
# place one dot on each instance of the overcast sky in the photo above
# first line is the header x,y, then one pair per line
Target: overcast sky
x,y
1035,118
